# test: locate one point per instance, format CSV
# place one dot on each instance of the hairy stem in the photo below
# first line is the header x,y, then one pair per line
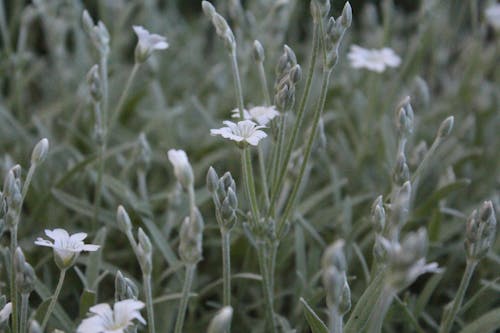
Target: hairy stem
x,y
226,266
190,268
249,183
24,312
266,286
123,97
146,279
53,301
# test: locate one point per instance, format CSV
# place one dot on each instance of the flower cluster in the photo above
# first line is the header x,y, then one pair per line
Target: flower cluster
x,y
243,132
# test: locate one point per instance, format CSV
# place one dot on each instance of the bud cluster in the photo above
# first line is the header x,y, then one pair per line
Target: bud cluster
x,y
223,191
24,273
480,231
12,197
191,238
338,293
98,33
222,29
406,260
288,74
125,288
335,30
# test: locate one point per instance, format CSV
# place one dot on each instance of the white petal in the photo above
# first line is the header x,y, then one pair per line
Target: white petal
x,y
43,242
78,237
57,234
90,247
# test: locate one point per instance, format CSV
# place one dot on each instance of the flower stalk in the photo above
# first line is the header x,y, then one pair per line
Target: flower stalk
x,y
55,296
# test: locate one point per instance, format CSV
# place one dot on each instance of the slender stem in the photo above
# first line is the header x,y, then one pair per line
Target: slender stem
x,y
142,184
146,280
279,148
103,66
249,182
266,286
24,312
4,29
192,204
336,321
263,83
27,182
226,266
298,122
99,183
13,282
425,161
237,83
319,110
123,97
185,297
263,176
53,301
452,308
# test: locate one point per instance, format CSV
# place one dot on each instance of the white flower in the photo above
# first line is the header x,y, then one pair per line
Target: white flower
x,y
66,247
5,312
492,14
182,167
373,60
105,320
245,131
262,115
147,43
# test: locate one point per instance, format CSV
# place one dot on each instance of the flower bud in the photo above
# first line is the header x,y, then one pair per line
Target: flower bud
x,y
125,288
40,151
378,215
208,8
182,167
94,83
346,18
401,172
445,127
295,74
25,275
258,51
334,256
123,220
212,180
480,231
191,237
145,251
221,323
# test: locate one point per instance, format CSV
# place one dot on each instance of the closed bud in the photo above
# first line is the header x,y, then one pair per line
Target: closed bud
x,y
123,220
221,323
378,214
292,59
345,302
40,152
480,231
233,199
346,18
401,172
87,23
94,83
258,51
212,180
334,256
333,281
295,74
445,128
226,211
208,8
144,241
124,288
331,59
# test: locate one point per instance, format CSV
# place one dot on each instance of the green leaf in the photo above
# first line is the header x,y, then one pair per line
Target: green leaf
x,y
315,323
365,305
487,323
87,300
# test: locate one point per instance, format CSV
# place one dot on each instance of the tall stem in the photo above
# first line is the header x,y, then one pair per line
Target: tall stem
x,y
53,301
266,286
263,83
27,182
298,122
99,183
452,308
317,114
185,297
379,312
237,83
13,282
146,279
336,321
103,66
123,97
249,183
24,312
226,267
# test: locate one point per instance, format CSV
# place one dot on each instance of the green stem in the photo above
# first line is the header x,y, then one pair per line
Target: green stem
x,y
27,182
380,309
13,282
103,67
452,308
53,301
123,97
99,184
263,83
149,302
266,286
237,83
190,268
24,312
336,321
262,171
192,204
226,266
298,122
317,114
5,30
249,183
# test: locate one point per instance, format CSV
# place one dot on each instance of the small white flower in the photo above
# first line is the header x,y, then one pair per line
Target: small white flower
x,y
116,320
245,131
262,115
5,312
147,43
66,247
492,14
373,60
182,167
